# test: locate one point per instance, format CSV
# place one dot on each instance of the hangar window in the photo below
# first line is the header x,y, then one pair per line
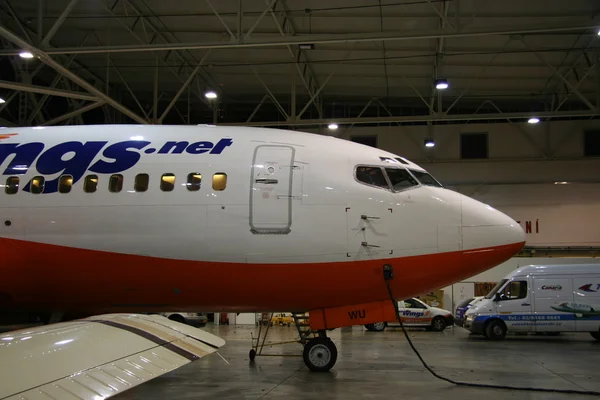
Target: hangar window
x,y
37,184
167,182
473,146
400,178
371,176
90,183
194,181
514,291
115,183
219,181
65,182
141,182
425,178
591,144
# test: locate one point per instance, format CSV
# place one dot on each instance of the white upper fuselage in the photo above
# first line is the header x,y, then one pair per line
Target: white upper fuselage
x,y
212,225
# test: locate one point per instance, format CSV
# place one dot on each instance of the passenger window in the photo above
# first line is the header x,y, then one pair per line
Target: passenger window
x,y
12,185
141,182
514,291
411,303
115,183
400,178
219,181
37,184
194,180
425,178
90,183
65,183
167,182
371,176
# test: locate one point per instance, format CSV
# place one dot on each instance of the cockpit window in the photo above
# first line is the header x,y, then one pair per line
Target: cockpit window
x,y
371,176
400,178
401,160
425,178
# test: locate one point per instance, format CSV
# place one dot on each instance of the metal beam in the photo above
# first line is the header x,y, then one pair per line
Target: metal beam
x,y
277,104
258,106
157,34
23,87
46,59
562,78
569,93
423,118
259,19
214,10
58,23
182,89
40,21
129,90
74,113
307,74
18,22
315,39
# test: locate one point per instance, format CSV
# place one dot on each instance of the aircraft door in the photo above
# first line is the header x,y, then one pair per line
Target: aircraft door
x,y
514,304
271,189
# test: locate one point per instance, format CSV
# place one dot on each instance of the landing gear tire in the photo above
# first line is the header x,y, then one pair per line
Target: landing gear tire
x,y
595,335
252,355
320,354
438,324
496,330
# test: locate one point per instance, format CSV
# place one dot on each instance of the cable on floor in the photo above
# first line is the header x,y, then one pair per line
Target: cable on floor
x,y
388,275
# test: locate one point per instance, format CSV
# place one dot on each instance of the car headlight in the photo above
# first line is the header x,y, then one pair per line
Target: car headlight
x,y
470,317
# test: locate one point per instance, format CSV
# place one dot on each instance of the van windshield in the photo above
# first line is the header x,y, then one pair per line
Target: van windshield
x,y
495,289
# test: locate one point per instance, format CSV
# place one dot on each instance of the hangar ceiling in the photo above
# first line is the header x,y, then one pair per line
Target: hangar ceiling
x,y
298,63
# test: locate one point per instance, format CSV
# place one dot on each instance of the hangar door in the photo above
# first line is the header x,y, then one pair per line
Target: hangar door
x,y
271,189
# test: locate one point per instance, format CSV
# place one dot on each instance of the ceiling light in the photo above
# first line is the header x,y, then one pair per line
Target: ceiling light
x,y
25,54
210,95
598,32
533,120
561,183
333,127
2,100
306,46
429,143
441,84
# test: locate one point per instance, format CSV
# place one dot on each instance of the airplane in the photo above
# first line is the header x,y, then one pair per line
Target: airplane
x,y
580,310
128,219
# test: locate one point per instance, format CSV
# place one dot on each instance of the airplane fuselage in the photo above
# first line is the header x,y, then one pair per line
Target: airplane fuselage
x,y
227,219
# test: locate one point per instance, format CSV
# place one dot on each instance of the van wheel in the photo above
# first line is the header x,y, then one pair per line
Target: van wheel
x,y
438,324
496,330
595,335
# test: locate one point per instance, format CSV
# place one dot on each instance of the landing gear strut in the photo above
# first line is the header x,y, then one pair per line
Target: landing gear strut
x,y
319,355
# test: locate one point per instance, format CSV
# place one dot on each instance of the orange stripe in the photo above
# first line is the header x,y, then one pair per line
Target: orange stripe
x,y
50,277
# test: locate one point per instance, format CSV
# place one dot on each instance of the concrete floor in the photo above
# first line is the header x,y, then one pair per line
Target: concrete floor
x,y
382,366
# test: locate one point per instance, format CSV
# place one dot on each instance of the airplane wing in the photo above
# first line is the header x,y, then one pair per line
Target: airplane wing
x,y
96,357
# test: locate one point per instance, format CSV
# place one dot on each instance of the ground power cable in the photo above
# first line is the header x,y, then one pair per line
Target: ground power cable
x,y
388,275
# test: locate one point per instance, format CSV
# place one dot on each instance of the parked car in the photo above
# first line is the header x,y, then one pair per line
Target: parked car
x,y
463,306
194,319
415,313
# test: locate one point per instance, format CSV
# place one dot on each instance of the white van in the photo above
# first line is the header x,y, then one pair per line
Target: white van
x,y
540,298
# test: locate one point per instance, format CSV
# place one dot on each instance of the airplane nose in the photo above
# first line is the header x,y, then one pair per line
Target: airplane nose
x,y
484,227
